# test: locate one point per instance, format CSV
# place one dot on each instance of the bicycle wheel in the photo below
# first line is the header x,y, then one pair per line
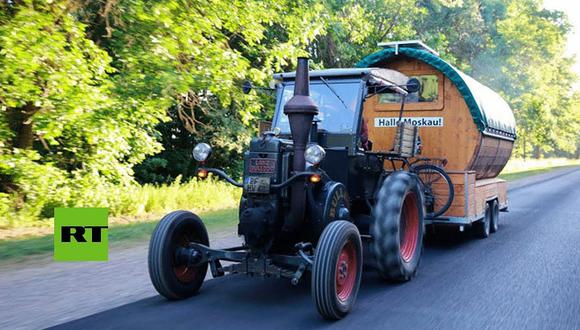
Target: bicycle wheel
x,y
437,188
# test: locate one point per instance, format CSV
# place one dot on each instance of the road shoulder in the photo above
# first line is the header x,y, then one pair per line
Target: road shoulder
x,y
536,179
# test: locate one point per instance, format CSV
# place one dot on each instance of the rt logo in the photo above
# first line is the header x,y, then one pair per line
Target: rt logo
x,y
80,234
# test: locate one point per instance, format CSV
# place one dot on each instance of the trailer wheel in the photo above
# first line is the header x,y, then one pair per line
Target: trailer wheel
x,y
171,278
482,227
494,216
337,269
397,227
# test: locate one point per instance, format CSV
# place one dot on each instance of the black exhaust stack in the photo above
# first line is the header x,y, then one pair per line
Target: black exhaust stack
x,y
301,110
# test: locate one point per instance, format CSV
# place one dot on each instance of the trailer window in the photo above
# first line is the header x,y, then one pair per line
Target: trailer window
x,y
429,92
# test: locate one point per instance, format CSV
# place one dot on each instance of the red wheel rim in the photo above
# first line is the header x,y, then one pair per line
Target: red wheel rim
x,y
346,269
183,273
409,229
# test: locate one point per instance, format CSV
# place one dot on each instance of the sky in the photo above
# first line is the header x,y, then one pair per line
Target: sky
x,y
572,9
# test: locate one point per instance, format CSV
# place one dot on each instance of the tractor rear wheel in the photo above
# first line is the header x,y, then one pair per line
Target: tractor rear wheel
x,y
397,227
337,269
172,278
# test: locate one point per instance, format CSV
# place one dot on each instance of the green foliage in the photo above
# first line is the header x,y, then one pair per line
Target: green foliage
x,y
84,87
43,195
47,61
194,195
191,57
517,48
532,42
355,28
62,125
96,96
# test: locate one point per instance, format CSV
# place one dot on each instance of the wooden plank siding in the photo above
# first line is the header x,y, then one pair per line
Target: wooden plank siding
x,y
488,189
459,140
472,157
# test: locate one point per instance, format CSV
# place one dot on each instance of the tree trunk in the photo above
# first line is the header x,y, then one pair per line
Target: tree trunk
x,y
536,152
20,122
525,147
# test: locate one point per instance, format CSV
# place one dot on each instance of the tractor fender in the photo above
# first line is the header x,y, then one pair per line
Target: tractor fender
x,y
327,204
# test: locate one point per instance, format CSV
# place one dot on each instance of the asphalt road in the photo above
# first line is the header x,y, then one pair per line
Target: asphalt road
x,y
525,276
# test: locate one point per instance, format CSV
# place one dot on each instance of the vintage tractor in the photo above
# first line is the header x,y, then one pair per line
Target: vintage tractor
x,y
316,198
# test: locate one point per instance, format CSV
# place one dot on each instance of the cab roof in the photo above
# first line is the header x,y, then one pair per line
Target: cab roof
x,y
373,76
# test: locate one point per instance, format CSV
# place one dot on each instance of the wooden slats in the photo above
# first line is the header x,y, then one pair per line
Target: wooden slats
x,y
464,186
405,140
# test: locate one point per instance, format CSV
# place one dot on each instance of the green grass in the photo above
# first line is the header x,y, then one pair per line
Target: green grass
x,y
523,174
18,249
130,201
519,168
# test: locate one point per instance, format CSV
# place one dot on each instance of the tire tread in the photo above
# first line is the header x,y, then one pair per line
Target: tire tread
x,y
331,241
158,265
385,227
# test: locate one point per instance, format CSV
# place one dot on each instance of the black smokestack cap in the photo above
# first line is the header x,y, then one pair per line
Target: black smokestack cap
x,y
300,109
301,103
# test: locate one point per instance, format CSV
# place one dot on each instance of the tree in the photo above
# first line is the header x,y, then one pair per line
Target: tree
x,y
85,86
191,57
52,79
536,76
516,48
355,27
49,71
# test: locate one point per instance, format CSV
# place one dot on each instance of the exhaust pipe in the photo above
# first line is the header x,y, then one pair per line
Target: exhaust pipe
x,y
300,110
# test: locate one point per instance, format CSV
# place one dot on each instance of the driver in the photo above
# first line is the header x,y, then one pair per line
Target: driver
x,y
334,114
364,135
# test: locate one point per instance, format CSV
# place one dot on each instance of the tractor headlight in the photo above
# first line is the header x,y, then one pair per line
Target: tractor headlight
x,y
314,154
201,152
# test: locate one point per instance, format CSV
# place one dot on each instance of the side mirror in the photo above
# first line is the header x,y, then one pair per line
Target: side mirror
x,y
247,87
413,85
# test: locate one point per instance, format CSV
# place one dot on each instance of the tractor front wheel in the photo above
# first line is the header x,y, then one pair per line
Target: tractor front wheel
x,y
397,227
337,269
171,276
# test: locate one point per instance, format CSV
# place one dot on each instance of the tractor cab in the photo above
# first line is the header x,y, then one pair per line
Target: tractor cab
x,y
339,95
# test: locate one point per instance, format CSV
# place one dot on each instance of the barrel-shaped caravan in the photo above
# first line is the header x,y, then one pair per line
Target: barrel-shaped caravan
x,y
459,119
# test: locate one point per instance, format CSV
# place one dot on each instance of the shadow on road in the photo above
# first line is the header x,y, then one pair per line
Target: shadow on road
x,y
227,302
234,300
447,238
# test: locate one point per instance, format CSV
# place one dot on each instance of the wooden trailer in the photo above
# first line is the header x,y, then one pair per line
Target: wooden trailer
x,y
459,119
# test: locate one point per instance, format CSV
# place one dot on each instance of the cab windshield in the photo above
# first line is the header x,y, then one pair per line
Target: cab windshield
x,y
336,115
